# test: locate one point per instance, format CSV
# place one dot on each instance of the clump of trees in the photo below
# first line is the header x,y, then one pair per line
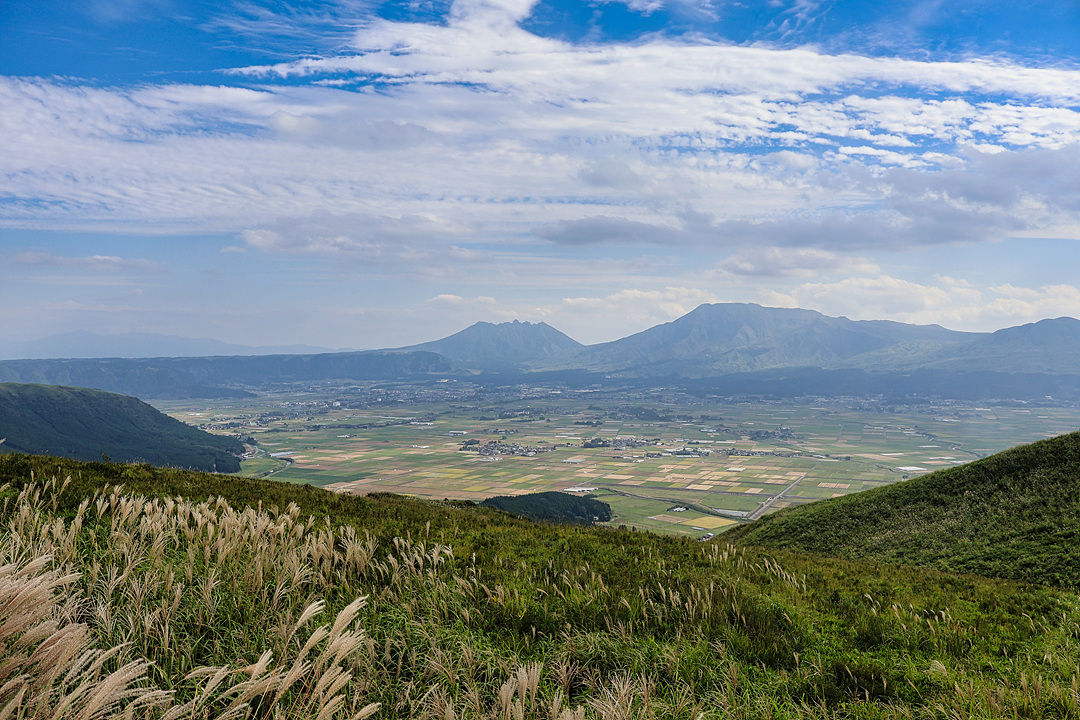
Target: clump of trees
x,y
553,507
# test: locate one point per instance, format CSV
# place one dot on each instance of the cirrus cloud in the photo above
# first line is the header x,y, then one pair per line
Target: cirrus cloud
x,y
93,263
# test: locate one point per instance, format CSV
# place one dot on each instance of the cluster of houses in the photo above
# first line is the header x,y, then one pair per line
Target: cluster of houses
x,y
496,448
617,443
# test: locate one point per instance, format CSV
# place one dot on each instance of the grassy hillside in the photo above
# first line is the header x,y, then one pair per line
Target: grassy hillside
x,y
1012,515
84,424
285,601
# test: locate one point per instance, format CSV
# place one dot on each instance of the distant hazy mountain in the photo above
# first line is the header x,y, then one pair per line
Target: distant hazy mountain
x,y
1047,346
486,346
730,348
84,424
209,377
736,337
83,344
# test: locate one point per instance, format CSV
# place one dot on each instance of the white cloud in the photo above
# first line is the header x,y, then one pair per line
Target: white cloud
x,y
882,296
1024,304
488,127
458,300
640,305
497,162
381,135
291,28
954,303
793,262
412,244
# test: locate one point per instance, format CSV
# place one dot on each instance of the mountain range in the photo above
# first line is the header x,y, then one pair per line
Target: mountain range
x,y
736,338
84,344
209,377
727,348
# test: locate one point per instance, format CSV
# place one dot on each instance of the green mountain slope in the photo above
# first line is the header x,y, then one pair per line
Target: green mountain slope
x,y
84,424
1012,515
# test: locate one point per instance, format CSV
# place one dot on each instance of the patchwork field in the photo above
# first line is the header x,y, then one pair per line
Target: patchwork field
x,y
664,462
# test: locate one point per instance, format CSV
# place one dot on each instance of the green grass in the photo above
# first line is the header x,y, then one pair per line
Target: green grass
x,y
260,466
1013,515
471,613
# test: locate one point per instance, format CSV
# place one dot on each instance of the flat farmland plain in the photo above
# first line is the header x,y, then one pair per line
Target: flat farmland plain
x,y
665,462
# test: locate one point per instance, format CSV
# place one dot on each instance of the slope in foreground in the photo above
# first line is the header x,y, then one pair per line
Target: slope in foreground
x,y
1013,515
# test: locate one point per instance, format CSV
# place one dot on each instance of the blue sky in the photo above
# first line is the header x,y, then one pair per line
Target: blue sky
x,y
373,174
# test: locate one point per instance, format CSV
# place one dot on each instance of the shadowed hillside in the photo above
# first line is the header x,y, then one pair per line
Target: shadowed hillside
x,y
85,424
1012,515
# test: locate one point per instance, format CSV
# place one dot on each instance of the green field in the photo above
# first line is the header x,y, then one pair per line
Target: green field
x,y
685,466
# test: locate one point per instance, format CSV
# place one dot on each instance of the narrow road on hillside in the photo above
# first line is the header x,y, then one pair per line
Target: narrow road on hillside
x,y
773,500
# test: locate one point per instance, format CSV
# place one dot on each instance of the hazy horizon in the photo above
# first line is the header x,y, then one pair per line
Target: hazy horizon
x,y
277,348
353,174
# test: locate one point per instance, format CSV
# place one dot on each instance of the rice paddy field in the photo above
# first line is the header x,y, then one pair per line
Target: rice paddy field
x,y
665,462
